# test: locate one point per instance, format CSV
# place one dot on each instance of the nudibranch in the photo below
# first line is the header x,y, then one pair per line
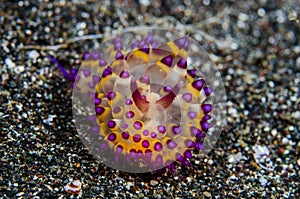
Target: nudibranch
x,y
141,102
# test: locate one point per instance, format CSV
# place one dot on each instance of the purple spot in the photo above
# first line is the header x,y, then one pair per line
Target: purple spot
x,y
206,117
153,135
206,108
129,114
192,115
188,154
92,117
91,84
128,101
167,88
119,55
159,159
182,63
134,44
125,135
186,44
133,153
85,55
118,45
187,97
96,78
198,84
181,41
189,143
195,131
180,158
161,128
168,60
111,95
145,144
99,110
145,48
103,145
95,129
112,137
124,74
102,63
124,126
205,125
146,132
107,72
119,149
171,144
145,79
198,146
136,138
192,72
86,72
97,101
148,152
137,125
73,72
171,167
155,45
176,130
149,38
207,91
95,55
111,124
158,146
117,110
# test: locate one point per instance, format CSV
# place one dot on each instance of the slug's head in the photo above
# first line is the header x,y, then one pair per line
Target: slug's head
x,y
146,99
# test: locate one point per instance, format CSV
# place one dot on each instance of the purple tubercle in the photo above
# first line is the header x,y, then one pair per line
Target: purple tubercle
x,y
207,91
119,55
192,72
102,62
168,60
124,74
187,97
125,135
176,130
206,108
85,55
171,144
136,138
161,128
158,146
86,72
99,110
95,55
145,144
198,84
112,137
182,63
111,124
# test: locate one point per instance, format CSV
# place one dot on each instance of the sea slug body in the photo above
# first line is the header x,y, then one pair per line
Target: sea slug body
x,y
147,105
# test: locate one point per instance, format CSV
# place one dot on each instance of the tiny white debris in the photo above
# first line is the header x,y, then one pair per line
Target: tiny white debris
x,y
9,63
19,69
144,2
33,54
263,180
81,25
128,185
234,158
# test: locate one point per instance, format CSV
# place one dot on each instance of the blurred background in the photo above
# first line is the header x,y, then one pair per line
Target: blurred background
x,y
255,45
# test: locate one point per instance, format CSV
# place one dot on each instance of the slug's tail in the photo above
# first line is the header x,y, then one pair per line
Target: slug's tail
x,y
68,75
